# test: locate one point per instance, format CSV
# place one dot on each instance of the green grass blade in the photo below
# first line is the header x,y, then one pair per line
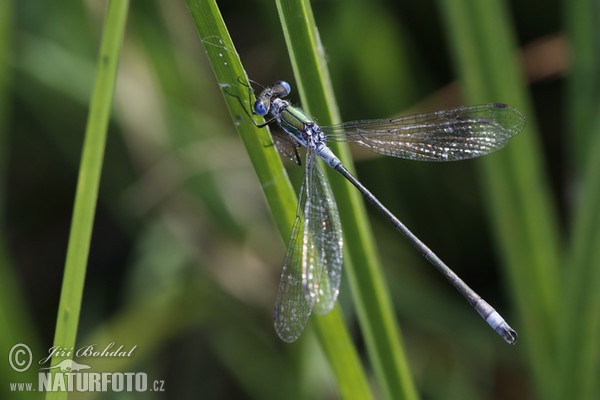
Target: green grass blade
x,y
370,293
580,336
88,181
582,19
228,69
343,358
523,215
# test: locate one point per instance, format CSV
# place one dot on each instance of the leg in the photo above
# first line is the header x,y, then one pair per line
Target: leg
x,y
249,101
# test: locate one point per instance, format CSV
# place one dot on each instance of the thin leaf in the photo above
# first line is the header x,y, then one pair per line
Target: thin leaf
x,y
88,182
580,333
523,215
370,293
343,358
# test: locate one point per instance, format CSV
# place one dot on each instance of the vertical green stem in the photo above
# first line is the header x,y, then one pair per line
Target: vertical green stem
x,y
580,332
370,294
335,340
523,215
88,181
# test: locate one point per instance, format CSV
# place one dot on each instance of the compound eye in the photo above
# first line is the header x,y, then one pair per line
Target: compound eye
x,y
282,88
261,107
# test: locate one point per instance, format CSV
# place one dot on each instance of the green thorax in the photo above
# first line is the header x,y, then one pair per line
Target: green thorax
x,y
293,119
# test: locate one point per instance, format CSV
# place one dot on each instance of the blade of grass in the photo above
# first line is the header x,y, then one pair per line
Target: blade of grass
x,y
579,336
370,293
228,69
521,210
342,356
88,181
583,84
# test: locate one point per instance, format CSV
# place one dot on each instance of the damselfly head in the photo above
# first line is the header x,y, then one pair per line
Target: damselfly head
x,y
262,105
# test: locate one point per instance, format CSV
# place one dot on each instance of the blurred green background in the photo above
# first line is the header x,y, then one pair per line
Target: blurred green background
x,y
185,259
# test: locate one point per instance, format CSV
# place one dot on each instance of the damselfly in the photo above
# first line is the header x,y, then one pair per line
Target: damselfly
x,y
313,263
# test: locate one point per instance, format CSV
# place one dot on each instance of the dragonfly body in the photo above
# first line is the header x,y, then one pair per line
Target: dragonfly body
x,y
312,268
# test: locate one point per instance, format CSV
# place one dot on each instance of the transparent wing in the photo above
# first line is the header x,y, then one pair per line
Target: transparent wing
x,y
447,135
286,145
322,255
313,263
291,310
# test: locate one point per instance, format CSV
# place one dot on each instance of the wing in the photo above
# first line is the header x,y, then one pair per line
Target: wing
x,y
313,263
291,310
286,145
322,256
447,135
